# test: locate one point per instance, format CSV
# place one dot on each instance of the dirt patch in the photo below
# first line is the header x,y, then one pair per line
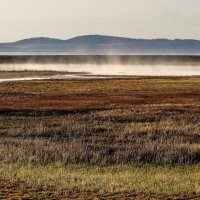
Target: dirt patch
x,y
19,190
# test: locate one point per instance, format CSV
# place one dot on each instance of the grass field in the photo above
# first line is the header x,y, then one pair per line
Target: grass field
x,y
124,136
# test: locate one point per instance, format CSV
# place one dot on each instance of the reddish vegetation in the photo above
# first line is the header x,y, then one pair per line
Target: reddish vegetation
x,y
98,94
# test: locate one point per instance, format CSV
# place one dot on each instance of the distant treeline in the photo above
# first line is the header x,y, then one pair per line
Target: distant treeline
x,y
101,59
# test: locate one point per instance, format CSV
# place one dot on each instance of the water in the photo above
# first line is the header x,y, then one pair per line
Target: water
x,y
100,66
109,69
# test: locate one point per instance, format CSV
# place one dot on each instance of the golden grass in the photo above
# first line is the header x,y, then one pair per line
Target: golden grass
x,y
107,180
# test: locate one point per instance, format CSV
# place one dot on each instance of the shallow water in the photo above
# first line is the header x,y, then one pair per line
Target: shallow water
x,y
110,69
99,71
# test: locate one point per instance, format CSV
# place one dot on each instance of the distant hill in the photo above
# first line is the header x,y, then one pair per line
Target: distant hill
x,y
99,44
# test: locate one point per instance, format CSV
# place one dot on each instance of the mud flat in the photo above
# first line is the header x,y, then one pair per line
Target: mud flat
x,y
7,76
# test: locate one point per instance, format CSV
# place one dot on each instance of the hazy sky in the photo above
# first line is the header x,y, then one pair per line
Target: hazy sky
x,y
130,18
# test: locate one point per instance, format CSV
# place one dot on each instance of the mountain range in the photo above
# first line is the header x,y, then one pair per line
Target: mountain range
x,y
101,44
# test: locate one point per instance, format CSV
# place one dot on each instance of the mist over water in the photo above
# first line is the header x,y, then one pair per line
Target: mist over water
x,y
109,69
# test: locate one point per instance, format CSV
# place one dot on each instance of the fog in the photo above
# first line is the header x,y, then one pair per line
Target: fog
x,y
109,69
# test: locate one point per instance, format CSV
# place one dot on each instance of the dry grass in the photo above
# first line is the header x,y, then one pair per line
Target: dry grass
x,y
117,125
107,138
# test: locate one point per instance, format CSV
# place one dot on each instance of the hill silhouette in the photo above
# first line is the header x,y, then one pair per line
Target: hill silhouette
x,y
100,44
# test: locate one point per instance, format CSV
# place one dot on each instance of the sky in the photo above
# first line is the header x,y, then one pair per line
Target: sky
x,y
65,19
